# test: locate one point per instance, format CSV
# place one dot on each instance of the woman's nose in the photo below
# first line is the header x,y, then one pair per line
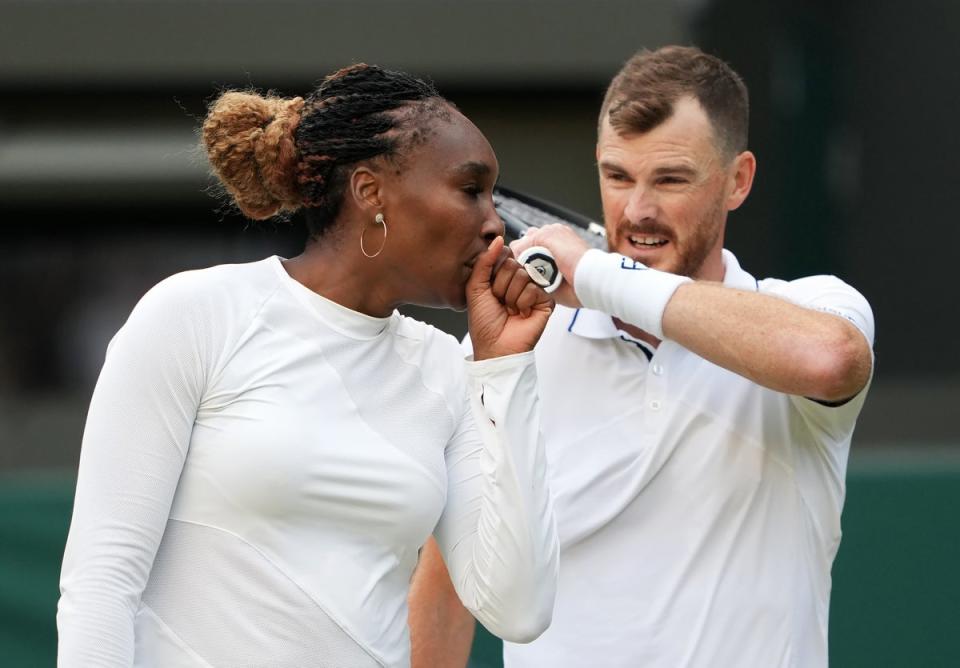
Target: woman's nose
x,y
492,227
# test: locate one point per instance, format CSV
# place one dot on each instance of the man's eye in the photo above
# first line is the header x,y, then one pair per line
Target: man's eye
x,y
473,190
672,180
616,176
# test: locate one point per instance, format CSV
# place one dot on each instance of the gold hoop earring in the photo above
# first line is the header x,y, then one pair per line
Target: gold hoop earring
x,y
378,219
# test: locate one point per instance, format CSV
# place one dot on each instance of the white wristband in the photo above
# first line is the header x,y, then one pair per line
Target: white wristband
x,y
619,286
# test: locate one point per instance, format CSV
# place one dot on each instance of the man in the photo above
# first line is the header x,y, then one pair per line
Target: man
x,y
697,430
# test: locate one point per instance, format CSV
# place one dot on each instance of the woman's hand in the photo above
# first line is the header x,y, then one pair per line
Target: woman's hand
x,y
567,248
506,310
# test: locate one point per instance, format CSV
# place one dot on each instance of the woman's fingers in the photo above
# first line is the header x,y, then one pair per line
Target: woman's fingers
x,y
485,265
531,295
502,278
514,288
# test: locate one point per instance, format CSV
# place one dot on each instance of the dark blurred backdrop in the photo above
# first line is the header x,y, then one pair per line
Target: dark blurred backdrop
x,y
102,192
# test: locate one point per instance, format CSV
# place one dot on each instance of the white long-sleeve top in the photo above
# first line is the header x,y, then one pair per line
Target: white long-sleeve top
x,y
261,465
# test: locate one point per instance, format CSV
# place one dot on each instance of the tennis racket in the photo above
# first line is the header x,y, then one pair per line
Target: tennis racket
x,y
520,212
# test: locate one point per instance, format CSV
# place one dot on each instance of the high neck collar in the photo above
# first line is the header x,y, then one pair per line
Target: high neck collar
x,y
348,322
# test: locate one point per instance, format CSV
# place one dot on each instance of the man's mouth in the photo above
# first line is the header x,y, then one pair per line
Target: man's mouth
x,y
646,241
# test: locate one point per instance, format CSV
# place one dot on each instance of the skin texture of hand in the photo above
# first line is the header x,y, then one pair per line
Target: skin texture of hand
x,y
506,310
567,248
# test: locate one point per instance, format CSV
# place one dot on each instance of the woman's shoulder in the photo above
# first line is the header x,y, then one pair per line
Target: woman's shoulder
x,y
221,278
213,296
219,284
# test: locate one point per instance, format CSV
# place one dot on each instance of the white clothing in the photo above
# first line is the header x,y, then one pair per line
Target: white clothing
x,y
261,465
699,513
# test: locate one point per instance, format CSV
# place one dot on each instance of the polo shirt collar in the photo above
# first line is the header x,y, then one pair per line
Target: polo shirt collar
x,y
591,324
734,276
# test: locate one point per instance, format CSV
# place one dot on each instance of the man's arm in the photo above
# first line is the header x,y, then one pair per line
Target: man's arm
x,y
773,342
441,629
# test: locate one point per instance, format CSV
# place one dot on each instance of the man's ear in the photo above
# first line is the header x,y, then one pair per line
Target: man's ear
x,y
366,188
742,170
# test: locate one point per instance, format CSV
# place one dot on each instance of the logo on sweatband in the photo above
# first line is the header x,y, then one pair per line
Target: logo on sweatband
x,y
635,265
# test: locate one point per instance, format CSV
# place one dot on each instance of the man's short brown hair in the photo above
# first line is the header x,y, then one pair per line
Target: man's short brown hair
x,y
643,93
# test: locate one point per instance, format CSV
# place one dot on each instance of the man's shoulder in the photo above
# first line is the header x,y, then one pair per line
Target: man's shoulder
x,y
825,293
798,290
807,286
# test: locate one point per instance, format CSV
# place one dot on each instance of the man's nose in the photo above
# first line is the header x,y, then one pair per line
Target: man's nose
x,y
641,205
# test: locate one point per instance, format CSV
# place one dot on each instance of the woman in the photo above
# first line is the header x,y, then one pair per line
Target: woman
x,y
269,444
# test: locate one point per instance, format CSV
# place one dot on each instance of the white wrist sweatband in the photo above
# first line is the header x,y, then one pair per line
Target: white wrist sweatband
x,y
622,287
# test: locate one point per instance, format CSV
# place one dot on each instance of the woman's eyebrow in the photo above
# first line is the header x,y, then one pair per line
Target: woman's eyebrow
x,y
474,168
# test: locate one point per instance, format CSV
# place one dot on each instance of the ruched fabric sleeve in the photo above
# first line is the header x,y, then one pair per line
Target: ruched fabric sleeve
x,y
497,532
134,445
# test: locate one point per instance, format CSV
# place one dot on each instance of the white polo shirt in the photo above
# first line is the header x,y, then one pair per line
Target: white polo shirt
x,y
699,513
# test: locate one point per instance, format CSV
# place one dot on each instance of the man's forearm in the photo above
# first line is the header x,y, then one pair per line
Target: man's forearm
x,y
776,344
441,629
771,341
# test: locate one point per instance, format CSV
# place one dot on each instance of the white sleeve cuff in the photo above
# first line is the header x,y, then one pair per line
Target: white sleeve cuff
x,y
622,287
493,365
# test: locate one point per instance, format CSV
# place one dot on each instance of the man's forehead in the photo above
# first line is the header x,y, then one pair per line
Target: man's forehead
x,y
652,152
686,136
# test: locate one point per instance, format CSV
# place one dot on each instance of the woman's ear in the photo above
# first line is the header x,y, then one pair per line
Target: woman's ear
x,y
366,188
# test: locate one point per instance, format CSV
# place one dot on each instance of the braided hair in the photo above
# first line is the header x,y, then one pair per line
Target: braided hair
x,y
275,155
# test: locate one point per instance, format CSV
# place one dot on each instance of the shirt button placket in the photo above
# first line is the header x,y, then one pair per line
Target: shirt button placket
x,y
655,384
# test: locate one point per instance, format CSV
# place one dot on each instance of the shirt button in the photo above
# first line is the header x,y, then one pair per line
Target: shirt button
x,y
657,370
654,405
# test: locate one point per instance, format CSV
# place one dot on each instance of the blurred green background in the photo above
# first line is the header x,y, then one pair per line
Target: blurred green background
x,y
895,592
853,120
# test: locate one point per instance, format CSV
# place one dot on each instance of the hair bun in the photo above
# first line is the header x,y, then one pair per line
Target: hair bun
x,y
250,144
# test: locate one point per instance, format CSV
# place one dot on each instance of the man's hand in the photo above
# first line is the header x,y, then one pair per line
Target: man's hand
x,y
566,247
506,310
